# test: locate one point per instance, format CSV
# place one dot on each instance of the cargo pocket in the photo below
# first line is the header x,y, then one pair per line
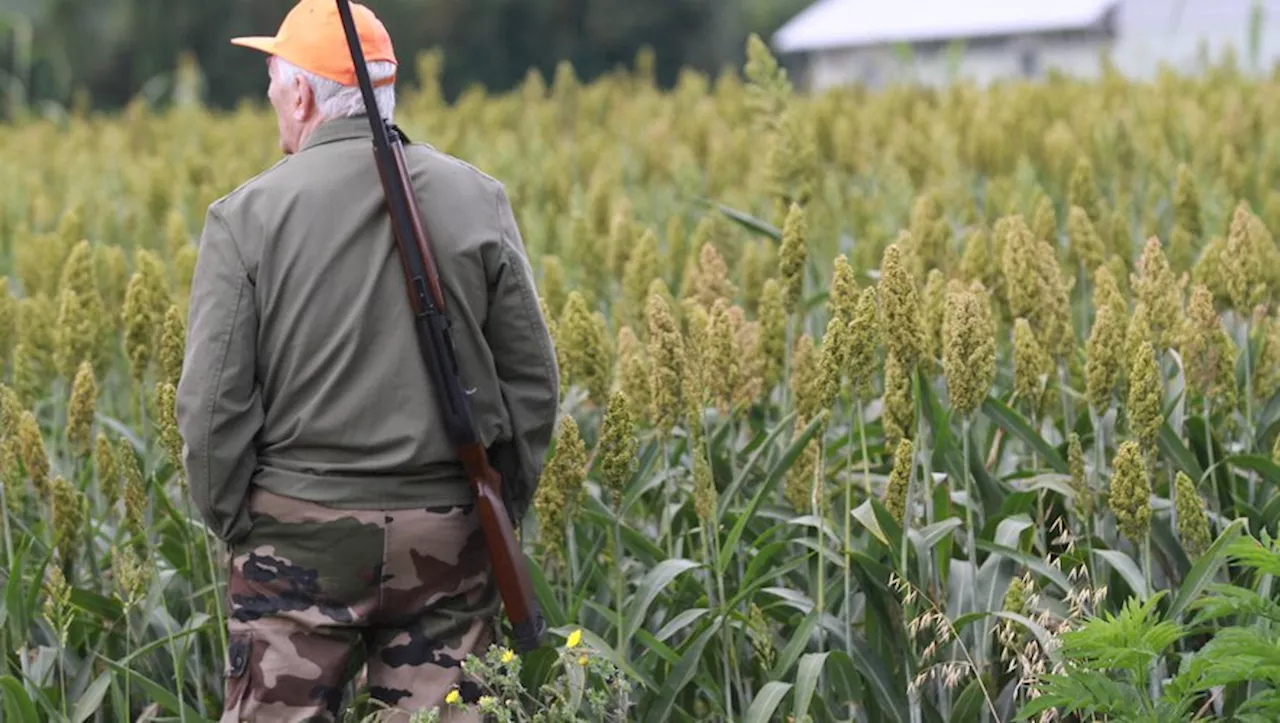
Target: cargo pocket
x,y
238,678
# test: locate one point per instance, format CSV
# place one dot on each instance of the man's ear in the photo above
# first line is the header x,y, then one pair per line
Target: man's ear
x,y
304,99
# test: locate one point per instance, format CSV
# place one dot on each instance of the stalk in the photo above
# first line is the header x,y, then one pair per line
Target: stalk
x,y
213,578
1208,436
819,512
1248,408
848,543
1099,451
10,569
128,638
668,484
179,665
62,677
923,454
217,607
711,540
8,536
618,581
866,458
1068,414
711,544
1146,572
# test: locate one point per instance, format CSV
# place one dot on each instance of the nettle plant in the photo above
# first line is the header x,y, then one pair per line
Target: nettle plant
x,y
1207,651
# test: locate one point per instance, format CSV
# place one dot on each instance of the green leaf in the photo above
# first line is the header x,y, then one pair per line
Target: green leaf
x,y
537,667
680,675
799,640
650,587
929,536
807,681
767,701
547,599
730,544
1042,636
730,495
1128,570
1009,531
640,545
16,614
760,563
1017,425
876,674
159,693
17,706
1269,470
1172,446
993,582
91,700
748,221
680,622
867,516
105,608
1204,569
653,646
969,705
1037,564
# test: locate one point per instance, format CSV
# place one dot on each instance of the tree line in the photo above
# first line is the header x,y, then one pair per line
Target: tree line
x,y
104,53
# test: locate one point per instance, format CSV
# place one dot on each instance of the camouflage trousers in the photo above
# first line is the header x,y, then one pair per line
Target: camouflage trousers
x,y
312,584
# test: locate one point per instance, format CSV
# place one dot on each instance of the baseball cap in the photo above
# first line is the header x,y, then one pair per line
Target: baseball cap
x,y
312,38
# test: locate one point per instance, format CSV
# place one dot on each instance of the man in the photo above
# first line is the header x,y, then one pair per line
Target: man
x,y
312,441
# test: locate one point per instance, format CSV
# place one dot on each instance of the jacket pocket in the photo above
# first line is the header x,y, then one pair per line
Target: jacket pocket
x,y
239,676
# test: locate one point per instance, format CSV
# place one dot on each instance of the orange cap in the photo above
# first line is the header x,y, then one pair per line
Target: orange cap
x,y
312,38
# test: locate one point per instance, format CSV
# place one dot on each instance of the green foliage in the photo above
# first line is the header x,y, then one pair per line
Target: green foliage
x,y
1109,661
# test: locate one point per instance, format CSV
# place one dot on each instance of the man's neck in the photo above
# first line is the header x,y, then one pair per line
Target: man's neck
x,y
307,129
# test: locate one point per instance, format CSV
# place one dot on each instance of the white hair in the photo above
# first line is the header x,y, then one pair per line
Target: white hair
x,y
336,100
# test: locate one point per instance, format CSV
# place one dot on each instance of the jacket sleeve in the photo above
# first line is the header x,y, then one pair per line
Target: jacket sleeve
x,y
219,408
523,354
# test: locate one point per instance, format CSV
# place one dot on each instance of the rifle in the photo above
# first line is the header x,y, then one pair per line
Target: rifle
x,y
436,344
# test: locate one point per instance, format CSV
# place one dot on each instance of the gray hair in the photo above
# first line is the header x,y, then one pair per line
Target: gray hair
x,y
343,101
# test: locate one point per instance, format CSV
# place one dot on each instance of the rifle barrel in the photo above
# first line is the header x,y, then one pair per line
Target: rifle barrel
x,y
426,298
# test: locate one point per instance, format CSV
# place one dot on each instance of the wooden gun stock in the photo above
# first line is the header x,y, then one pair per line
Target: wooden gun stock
x,y
431,324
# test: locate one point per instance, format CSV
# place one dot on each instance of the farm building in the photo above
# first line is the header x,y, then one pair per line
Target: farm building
x,y
834,42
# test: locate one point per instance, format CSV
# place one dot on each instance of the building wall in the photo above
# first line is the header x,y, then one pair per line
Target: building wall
x,y
1148,34
1020,58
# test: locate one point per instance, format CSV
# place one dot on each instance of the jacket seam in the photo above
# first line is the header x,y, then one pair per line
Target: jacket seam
x,y
530,304
220,369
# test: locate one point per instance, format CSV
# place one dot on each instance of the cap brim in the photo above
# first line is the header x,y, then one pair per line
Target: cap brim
x,y
263,43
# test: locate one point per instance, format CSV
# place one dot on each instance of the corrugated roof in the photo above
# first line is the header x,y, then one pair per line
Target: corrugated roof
x,y
849,23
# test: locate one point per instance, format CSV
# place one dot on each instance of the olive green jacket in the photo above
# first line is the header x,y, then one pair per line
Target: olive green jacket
x,y
302,372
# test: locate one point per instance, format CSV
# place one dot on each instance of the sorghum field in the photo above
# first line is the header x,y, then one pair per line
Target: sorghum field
x,y
906,405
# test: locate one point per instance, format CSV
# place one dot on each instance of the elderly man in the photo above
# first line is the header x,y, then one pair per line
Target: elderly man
x,y
312,443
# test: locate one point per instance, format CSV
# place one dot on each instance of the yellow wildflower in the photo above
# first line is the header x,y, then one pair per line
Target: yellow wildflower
x,y
575,638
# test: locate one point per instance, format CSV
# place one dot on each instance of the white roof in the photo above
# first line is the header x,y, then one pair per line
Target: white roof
x,y
849,23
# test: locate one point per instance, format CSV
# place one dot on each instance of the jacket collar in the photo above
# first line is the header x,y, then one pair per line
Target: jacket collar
x,y
339,129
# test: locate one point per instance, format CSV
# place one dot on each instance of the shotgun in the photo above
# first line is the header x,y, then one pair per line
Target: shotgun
x,y
431,324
